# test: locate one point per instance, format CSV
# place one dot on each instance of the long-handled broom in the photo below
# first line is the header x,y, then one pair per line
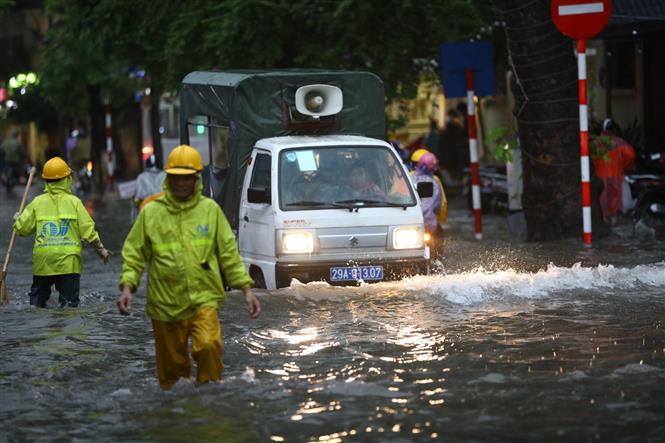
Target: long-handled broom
x,y
4,296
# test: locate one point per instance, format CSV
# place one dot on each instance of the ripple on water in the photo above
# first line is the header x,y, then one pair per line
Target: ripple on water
x,y
512,351
638,369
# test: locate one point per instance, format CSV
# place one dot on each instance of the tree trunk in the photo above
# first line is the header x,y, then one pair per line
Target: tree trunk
x,y
97,137
155,124
62,135
546,107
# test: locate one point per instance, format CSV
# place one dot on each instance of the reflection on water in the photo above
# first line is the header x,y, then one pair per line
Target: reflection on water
x,y
509,342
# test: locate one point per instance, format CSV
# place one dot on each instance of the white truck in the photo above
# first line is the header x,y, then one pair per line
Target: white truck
x,y
304,177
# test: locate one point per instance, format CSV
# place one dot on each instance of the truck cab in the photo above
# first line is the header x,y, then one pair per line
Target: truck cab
x,y
311,190
335,208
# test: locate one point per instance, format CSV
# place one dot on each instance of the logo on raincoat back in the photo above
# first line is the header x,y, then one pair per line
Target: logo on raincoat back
x,y
51,229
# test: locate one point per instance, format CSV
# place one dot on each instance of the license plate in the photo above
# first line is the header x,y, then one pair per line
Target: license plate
x,y
355,273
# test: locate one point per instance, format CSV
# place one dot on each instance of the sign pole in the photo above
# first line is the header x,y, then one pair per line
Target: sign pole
x,y
584,142
467,70
581,20
473,153
109,143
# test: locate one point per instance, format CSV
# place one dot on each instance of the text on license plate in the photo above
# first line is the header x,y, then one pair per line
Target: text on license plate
x,y
350,273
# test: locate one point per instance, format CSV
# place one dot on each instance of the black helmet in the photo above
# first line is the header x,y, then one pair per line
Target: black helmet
x,y
609,125
151,161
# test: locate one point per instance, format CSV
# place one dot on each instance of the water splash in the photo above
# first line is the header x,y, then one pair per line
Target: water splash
x,y
481,285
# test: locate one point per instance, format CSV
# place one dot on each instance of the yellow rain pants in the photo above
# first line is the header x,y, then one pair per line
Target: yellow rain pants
x,y
171,346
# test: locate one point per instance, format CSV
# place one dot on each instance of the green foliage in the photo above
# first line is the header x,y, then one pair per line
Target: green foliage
x,y
393,124
80,49
185,44
600,147
5,5
32,106
384,37
94,42
501,141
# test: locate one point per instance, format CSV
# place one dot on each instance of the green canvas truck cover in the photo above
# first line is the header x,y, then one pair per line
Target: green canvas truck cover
x,y
258,104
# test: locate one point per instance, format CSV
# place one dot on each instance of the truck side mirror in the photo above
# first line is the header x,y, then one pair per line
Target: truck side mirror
x,y
259,195
425,189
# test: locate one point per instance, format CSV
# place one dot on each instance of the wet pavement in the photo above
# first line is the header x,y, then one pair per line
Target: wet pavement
x,y
506,341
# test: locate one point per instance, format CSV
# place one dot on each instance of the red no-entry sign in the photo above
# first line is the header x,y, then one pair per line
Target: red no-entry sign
x,y
581,19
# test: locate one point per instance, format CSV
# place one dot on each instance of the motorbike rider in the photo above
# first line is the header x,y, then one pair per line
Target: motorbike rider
x,y
60,222
149,183
425,172
13,155
415,156
610,163
442,212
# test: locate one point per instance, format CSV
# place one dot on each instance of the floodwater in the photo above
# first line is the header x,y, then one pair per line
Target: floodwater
x,y
507,341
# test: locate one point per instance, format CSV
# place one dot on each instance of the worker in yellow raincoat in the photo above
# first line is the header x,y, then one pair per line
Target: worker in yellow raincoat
x,y
186,241
59,221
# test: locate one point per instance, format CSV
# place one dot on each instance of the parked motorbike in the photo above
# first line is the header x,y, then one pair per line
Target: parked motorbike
x,y
648,192
84,180
493,188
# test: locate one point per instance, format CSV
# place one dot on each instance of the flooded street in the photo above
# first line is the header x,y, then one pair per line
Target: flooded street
x,y
507,341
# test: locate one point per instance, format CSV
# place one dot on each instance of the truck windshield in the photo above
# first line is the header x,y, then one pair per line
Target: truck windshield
x,y
342,177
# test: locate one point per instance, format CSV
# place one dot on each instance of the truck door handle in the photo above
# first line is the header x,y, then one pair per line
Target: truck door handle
x,y
244,217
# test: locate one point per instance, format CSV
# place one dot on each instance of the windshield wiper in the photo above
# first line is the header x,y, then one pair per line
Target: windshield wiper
x,y
343,205
306,203
312,203
353,204
359,202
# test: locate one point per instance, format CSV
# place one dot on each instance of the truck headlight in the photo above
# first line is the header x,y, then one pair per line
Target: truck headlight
x,y
297,243
407,238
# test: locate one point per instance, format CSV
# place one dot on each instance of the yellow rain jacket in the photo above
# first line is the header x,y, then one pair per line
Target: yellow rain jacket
x,y
443,213
185,244
59,221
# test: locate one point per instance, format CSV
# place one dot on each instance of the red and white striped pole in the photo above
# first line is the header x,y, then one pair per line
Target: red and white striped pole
x,y
109,143
584,142
473,153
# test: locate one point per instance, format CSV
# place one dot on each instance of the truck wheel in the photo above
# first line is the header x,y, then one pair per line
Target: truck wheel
x,y
257,275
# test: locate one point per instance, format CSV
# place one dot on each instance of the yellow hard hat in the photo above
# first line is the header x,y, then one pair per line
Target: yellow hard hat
x,y
184,160
415,157
55,169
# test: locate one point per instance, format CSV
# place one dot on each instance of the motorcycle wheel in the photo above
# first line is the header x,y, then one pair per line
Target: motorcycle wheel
x,y
654,220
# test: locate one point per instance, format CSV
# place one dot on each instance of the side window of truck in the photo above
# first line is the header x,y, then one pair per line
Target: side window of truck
x,y
199,136
211,139
219,140
261,172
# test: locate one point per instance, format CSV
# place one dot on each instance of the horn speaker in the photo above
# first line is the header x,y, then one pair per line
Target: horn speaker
x,y
319,100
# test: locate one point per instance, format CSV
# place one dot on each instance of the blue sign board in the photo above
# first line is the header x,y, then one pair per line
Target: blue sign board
x,y
456,58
